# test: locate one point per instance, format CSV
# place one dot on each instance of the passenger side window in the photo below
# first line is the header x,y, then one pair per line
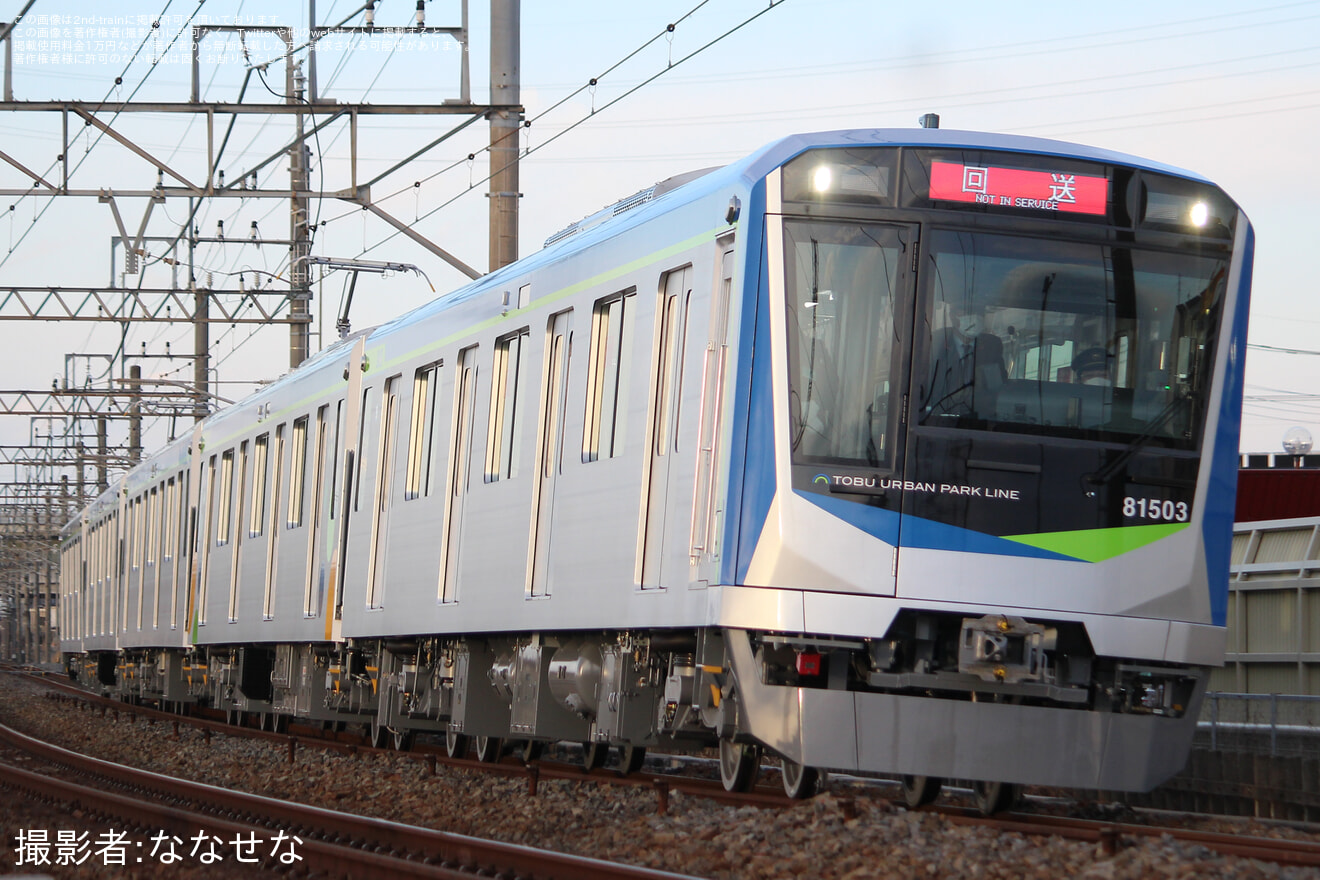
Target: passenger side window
x,y
504,443
336,455
226,501
297,473
257,515
420,432
612,333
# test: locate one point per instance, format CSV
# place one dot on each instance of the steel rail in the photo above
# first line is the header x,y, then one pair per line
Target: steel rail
x,y
1111,834
532,772
322,832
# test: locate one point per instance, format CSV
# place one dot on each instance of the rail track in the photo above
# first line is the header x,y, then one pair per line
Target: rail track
x,y
297,737
321,842
1112,836
1109,836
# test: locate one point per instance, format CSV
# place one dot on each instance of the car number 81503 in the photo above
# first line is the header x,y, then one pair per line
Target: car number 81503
x,y
1160,511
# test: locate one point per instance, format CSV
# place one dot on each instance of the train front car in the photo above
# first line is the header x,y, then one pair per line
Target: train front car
x,y
991,449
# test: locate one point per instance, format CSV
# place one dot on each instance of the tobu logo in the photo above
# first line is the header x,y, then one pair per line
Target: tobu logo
x,y
875,484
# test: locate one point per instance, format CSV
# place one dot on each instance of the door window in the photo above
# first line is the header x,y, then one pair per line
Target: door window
x,y
841,284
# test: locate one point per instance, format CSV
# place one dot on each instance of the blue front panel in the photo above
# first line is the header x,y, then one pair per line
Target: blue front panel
x,y
752,467
1221,498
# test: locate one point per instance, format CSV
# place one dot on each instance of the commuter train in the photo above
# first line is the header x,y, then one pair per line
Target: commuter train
x,y
879,450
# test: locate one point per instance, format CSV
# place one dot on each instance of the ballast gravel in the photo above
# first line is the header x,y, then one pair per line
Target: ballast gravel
x,y
849,832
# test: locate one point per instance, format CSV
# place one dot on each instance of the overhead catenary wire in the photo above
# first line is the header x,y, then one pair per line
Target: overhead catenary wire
x,y
101,105
977,98
591,83
124,335
1091,39
669,29
192,119
247,304
514,133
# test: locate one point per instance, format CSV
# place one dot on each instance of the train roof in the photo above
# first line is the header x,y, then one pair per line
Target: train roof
x,y
742,174
697,184
692,187
715,182
782,150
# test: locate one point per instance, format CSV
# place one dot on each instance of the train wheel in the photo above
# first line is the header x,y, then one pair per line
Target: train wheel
x,y
457,744
379,735
800,782
631,759
234,717
739,765
489,749
529,750
921,790
403,740
594,756
995,797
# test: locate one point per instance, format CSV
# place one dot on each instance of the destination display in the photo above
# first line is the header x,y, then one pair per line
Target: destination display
x,y
1019,188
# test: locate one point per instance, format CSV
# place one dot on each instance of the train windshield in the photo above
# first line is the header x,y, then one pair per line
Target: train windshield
x,y
1012,334
1067,339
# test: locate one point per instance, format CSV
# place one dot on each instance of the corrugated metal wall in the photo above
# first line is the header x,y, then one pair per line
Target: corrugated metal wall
x,y
1272,678
1270,618
1273,609
1241,541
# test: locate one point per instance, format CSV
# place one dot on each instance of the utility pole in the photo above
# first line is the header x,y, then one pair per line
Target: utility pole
x,y
135,413
102,454
300,284
505,124
48,591
201,352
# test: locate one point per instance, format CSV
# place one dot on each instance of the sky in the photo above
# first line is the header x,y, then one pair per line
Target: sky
x,y
1230,90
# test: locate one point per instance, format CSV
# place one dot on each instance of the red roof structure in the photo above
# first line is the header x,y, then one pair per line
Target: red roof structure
x,y
1277,493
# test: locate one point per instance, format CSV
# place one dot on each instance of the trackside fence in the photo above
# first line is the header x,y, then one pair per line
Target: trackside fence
x,y
1278,725
1254,755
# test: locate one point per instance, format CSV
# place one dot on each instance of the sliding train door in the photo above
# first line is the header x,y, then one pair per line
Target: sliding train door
x,y
465,396
664,559
549,450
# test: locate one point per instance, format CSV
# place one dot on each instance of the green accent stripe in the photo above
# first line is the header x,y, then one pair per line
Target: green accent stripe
x,y
376,354
541,302
1097,545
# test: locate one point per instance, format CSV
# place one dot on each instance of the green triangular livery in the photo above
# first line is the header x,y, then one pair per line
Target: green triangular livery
x,y
1097,545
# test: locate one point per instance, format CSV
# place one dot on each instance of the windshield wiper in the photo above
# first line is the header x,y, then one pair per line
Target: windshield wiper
x,y
1140,442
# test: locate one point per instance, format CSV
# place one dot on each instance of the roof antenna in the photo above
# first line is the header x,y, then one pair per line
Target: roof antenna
x,y
930,120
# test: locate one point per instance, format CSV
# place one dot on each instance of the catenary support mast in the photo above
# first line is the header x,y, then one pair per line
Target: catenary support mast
x,y
505,121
